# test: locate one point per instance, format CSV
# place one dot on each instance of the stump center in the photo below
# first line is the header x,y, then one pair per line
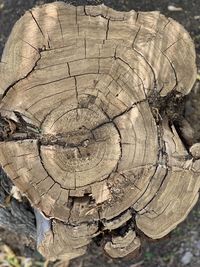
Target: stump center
x,y
87,148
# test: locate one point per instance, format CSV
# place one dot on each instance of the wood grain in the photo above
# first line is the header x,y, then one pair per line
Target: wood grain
x,y
81,134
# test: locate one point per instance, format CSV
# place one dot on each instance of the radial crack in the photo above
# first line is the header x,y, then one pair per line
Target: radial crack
x,y
37,23
26,76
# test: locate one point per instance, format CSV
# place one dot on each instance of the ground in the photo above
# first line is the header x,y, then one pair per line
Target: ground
x,y
182,247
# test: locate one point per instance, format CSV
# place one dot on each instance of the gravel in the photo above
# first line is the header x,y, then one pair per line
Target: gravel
x,y
187,257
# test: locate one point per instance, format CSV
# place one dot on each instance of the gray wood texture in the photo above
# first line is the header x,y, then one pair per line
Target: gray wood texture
x,y
85,134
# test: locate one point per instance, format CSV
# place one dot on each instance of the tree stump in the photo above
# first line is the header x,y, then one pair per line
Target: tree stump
x,y
89,99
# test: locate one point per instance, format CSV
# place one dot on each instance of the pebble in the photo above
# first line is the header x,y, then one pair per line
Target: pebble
x,y
174,8
187,257
198,245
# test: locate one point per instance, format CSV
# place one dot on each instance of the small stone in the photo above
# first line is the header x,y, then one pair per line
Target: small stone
x,y
198,245
187,257
174,8
1,5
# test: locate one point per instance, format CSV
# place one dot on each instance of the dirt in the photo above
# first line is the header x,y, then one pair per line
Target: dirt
x,y
182,247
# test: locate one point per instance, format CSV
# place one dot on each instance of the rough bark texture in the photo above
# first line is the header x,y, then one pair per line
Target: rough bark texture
x,y
15,216
89,132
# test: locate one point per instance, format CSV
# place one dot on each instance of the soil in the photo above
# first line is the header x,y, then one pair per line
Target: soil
x,y
182,247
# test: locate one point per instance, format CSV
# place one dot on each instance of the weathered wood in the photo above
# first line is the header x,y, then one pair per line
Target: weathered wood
x,y
85,132
15,216
122,246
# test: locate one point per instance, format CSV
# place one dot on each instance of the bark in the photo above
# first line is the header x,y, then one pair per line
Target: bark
x,y
16,218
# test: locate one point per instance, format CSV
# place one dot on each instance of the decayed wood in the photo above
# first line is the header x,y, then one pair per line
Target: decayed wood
x,y
123,246
16,218
85,133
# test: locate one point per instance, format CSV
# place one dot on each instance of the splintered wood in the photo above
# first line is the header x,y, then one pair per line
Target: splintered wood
x,y
80,134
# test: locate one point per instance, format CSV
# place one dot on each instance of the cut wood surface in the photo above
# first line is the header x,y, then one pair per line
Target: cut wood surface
x,y
85,132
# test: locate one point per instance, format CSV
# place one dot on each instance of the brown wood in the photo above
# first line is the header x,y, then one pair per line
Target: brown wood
x,y
85,130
